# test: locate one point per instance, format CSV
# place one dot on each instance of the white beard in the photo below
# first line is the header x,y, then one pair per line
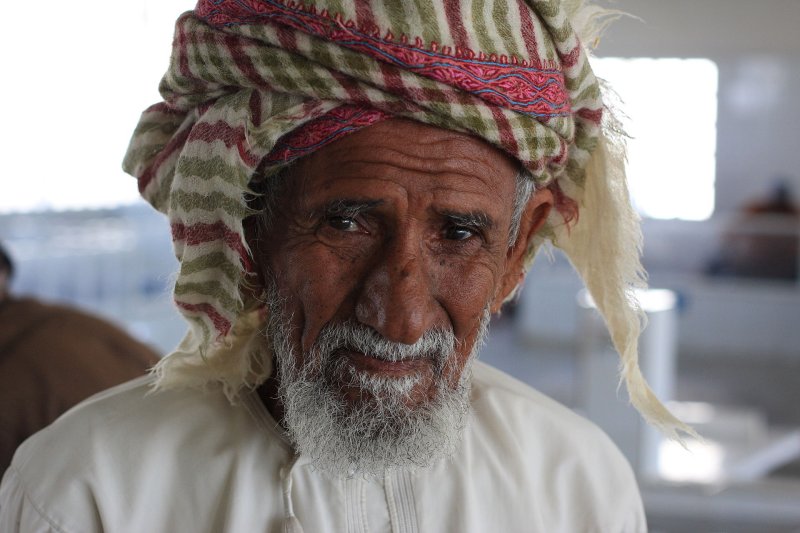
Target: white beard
x,y
382,432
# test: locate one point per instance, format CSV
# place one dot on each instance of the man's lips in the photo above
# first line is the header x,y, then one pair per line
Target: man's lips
x,y
372,364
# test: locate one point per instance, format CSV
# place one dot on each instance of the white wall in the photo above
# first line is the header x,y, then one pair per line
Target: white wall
x,y
756,46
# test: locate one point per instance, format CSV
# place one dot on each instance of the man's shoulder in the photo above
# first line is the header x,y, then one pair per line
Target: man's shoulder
x,y
131,448
546,468
135,416
525,443
120,435
509,398
513,415
93,427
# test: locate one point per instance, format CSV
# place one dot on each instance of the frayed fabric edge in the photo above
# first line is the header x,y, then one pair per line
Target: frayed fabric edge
x,y
240,360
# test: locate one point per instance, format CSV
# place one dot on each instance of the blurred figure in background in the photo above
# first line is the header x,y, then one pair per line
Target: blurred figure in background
x,y
51,358
762,241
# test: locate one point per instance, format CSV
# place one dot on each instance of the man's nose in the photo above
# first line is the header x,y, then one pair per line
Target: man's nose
x,y
396,298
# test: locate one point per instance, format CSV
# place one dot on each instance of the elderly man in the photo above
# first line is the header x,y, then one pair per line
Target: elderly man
x,y
354,187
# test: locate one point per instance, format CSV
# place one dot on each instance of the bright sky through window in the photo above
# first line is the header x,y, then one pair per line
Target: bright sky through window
x,y
671,114
76,80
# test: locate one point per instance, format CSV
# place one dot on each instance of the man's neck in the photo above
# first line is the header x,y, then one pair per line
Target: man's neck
x,y
269,396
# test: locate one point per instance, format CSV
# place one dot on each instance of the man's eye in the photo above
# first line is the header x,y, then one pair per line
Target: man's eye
x,y
343,223
458,233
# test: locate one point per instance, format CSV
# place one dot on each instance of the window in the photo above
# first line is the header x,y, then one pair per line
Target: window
x,y
81,74
670,108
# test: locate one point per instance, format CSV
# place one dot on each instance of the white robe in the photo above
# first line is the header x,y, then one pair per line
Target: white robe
x,y
188,461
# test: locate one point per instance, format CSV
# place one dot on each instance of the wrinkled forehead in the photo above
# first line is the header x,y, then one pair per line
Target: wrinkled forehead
x,y
397,157
417,147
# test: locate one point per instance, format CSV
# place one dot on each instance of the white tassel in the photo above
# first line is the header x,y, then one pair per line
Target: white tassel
x,y
290,522
604,247
292,525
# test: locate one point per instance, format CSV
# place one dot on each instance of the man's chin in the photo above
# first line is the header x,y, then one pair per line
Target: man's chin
x,y
365,399
373,431
355,414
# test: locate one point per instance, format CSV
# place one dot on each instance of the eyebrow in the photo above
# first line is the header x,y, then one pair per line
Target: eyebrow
x,y
349,207
352,207
471,219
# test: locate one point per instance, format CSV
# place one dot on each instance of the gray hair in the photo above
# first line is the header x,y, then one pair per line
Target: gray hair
x,y
524,189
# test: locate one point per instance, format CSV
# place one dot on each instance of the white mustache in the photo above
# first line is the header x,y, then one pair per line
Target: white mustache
x,y
435,344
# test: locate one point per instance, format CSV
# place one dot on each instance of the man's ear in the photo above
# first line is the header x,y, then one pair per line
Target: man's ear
x,y
533,218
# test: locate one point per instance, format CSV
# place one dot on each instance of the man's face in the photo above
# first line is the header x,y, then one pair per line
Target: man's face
x,y
397,232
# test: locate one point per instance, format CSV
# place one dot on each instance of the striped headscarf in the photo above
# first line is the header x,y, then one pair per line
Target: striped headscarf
x,y
255,84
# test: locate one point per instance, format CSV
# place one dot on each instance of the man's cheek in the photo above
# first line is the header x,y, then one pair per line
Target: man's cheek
x,y
465,290
320,293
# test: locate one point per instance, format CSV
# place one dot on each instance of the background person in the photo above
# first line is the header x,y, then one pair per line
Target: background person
x,y
51,358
